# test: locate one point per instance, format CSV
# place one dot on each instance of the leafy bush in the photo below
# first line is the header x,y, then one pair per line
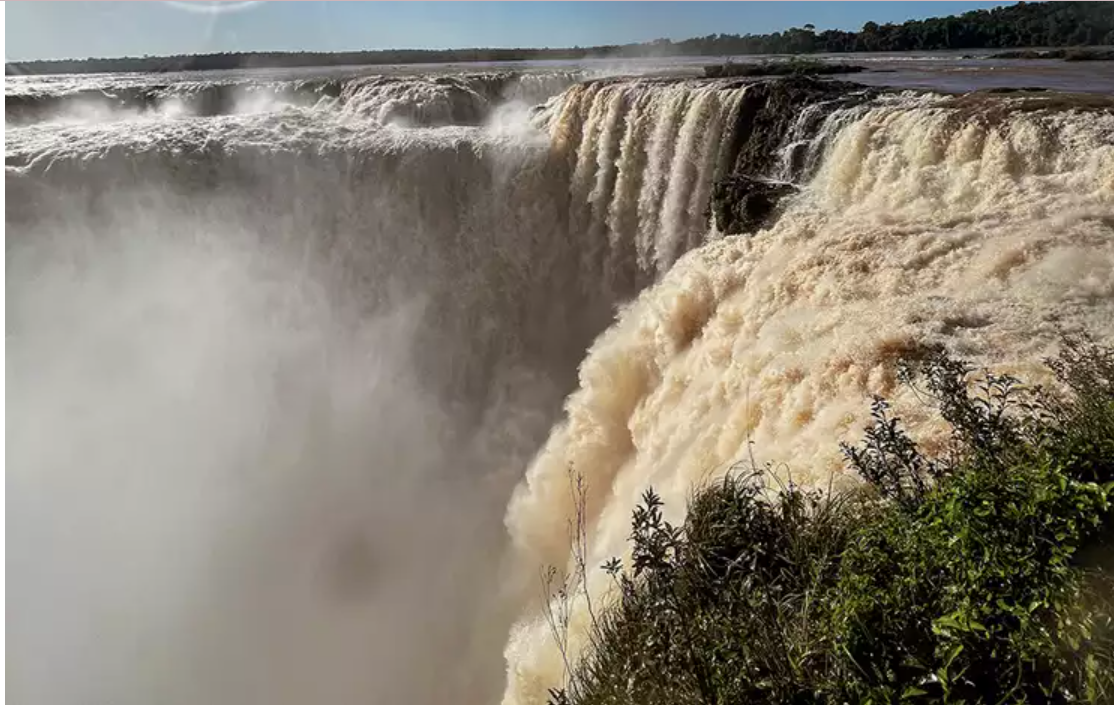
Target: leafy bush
x,y
973,596
981,575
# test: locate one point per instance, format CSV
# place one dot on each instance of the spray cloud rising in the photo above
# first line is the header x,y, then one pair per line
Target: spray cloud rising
x,y
276,372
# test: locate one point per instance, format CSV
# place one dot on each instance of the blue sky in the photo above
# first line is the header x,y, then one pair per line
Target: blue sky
x,y
38,29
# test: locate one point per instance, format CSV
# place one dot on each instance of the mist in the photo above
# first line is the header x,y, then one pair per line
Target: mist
x,y
227,483
295,394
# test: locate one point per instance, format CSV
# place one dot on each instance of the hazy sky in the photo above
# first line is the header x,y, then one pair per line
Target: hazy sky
x,y
38,29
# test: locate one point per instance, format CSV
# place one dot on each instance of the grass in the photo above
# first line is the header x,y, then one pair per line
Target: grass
x,y
982,575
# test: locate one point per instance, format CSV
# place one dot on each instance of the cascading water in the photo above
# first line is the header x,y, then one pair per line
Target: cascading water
x,y
275,373
335,345
403,100
987,227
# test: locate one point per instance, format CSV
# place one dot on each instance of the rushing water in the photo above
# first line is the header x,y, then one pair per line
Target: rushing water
x,y
288,354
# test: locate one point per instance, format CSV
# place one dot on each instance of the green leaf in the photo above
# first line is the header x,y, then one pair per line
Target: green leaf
x,y
952,654
946,622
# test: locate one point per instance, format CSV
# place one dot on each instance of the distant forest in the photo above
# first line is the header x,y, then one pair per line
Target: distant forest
x,y
1044,24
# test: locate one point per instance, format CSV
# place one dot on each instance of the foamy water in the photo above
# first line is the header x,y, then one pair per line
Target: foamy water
x,y
287,370
926,224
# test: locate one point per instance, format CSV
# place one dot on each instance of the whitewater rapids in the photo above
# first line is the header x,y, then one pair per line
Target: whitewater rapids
x,y
280,370
928,222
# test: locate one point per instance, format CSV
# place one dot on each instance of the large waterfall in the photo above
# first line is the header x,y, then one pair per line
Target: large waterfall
x,y
929,220
287,359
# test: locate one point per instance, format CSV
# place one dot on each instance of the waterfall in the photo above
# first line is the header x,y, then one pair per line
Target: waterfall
x,y
929,220
298,368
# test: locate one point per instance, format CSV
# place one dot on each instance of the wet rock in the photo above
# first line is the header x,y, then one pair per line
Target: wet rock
x,y
770,109
773,121
1011,89
745,204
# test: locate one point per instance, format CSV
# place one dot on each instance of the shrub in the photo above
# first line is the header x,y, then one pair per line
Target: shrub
x,y
974,594
981,575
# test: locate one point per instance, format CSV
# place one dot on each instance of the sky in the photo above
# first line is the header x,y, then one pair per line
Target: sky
x,y
45,29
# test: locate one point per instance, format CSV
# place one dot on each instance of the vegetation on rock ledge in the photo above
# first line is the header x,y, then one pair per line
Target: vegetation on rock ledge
x,y
981,575
1065,54
790,67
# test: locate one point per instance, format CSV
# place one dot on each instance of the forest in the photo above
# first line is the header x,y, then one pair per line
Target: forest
x,y
1043,24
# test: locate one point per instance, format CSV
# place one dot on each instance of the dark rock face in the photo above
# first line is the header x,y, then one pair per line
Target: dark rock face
x,y
743,204
777,144
1009,89
770,110
772,121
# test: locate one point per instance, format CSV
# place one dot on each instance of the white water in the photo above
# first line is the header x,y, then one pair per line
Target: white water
x,y
925,224
407,101
275,376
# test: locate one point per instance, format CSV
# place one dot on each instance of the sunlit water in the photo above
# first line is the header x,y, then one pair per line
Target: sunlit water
x,y
300,362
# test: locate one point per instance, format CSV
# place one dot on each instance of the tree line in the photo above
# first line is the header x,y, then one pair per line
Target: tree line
x,y
1045,24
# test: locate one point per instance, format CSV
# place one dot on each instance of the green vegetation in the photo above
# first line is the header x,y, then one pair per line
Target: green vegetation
x,y
981,575
791,67
1065,54
1046,24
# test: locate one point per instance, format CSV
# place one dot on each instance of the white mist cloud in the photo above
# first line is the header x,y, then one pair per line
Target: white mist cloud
x,y
224,487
